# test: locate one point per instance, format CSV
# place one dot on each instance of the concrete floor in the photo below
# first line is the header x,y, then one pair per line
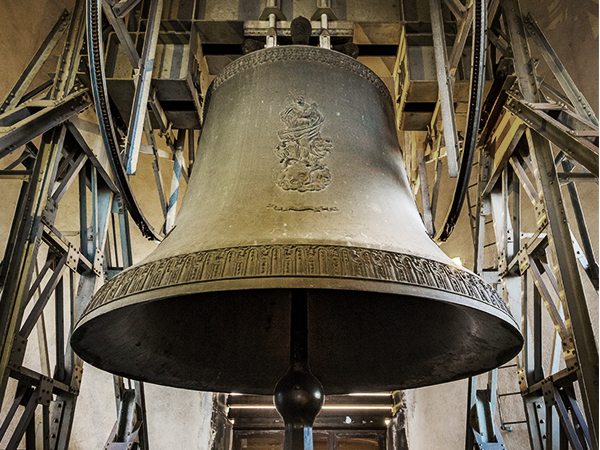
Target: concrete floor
x,y
180,419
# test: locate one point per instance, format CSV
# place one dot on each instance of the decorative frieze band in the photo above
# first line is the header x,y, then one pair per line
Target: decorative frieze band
x,y
295,261
301,53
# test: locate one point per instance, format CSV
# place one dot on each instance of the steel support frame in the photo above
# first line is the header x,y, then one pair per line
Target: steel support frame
x,y
130,430
33,227
445,85
547,259
71,273
17,93
143,79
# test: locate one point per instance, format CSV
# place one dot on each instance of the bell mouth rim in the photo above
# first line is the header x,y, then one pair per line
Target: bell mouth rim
x,y
299,53
460,304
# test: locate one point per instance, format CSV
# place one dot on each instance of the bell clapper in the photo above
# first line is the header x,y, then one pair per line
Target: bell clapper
x,y
298,394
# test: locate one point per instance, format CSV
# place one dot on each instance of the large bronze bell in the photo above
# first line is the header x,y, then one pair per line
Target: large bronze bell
x,y
298,191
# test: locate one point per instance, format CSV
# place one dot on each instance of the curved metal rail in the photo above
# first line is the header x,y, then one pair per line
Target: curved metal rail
x,y
474,115
107,128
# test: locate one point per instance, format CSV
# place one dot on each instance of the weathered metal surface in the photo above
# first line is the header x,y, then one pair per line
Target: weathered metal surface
x,y
416,82
179,75
298,184
95,49
23,124
18,91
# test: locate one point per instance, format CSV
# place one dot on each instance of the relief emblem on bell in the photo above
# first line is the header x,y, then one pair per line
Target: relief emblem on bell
x,y
302,149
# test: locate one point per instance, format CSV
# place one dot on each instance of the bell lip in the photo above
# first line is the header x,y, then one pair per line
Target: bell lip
x,y
306,282
460,301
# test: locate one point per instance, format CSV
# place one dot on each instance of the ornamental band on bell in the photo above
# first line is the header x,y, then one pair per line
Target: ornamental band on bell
x,y
301,149
287,260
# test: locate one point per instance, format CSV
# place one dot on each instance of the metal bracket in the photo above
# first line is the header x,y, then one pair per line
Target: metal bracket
x,y
73,258
98,260
46,387
548,392
56,415
522,379
17,352
541,216
569,354
502,264
76,378
486,206
117,205
523,258
49,213
540,417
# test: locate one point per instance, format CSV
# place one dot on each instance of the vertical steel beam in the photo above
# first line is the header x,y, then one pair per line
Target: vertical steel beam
x,y
444,86
42,340
439,165
143,78
125,236
68,64
425,203
471,402
83,221
130,401
156,164
64,410
59,307
535,411
521,57
586,242
27,243
571,289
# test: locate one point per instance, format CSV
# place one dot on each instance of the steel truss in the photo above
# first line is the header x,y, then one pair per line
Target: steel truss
x,y
42,402
67,153
522,120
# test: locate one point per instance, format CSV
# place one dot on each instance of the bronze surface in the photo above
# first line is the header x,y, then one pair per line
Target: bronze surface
x,y
298,184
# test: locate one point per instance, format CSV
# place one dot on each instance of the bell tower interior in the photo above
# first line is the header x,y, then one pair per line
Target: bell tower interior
x,y
201,195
